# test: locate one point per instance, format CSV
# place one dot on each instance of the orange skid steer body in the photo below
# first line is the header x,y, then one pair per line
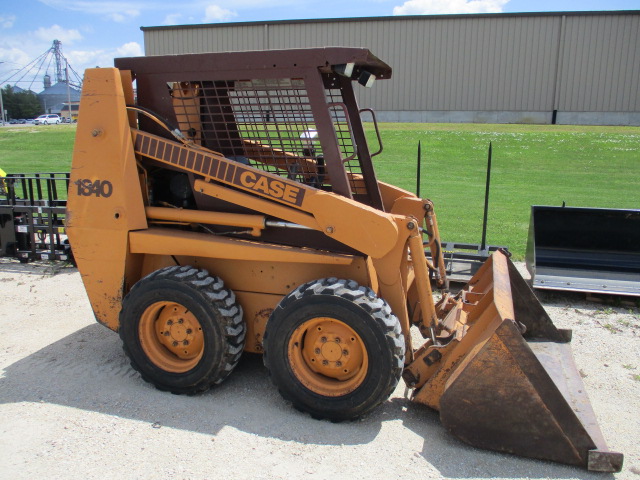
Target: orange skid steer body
x,y
232,205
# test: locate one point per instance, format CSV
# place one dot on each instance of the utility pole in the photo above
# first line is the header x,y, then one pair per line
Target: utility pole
x,y
1,104
66,74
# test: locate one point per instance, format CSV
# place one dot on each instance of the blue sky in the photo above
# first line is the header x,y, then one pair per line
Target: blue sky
x,y
93,32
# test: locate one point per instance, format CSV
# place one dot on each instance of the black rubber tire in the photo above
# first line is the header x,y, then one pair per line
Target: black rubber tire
x,y
362,311
215,308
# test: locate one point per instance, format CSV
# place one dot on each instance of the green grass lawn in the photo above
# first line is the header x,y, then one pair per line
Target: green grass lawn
x,y
532,165
42,148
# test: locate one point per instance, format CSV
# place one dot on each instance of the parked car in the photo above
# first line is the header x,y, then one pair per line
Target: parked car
x,y
22,121
47,119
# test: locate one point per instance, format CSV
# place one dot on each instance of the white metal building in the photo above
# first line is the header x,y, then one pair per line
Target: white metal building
x,y
565,68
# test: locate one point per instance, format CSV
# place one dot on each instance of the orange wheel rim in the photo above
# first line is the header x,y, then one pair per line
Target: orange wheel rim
x,y
328,357
171,336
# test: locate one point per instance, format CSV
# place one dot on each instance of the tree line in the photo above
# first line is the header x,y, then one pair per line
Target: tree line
x,y
21,104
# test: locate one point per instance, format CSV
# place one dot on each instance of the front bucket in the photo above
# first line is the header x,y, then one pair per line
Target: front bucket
x,y
515,392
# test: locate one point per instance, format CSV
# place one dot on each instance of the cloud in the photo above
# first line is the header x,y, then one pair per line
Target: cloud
x,y
123,10
13,59
116,10
56,32
124,16
435,7
214,13
83,59
172,19
6,21
131,49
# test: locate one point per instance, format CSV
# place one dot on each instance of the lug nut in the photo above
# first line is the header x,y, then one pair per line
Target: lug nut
x,y
169,322
323,339
345,352
189,331
185,343
325,362
175,344
317,351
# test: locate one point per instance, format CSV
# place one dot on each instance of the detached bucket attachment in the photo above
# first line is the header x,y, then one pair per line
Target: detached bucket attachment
x,y
503,376
594,250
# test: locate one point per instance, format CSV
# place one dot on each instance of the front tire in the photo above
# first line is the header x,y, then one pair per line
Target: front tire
x,y
181,329
334,349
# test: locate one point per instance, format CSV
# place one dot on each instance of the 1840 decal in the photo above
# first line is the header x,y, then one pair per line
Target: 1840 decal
x,y
99,188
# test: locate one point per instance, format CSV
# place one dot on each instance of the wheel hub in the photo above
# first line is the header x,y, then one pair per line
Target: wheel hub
x,y
178,330
328,356
171,336
331,351
331,355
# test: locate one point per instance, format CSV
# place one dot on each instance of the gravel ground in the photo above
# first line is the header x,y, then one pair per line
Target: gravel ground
x,y
72,408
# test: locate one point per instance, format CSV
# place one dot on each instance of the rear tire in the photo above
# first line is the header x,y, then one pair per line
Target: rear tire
x,y
334,349
181,329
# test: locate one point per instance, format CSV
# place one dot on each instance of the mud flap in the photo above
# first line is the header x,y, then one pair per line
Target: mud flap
x,y
517,392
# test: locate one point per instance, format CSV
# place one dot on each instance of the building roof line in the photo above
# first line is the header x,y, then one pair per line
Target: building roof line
x,y
394,18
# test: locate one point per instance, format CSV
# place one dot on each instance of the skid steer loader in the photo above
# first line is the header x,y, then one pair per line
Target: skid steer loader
x,y
232,205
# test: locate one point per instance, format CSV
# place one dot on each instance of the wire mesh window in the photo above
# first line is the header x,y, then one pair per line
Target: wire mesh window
x,y
265,123
347,146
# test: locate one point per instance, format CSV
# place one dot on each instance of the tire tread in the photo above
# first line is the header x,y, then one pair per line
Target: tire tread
x,y
378,310
221,300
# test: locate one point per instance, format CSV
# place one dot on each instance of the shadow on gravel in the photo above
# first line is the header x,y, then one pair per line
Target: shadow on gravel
x,y
88,370
40,268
